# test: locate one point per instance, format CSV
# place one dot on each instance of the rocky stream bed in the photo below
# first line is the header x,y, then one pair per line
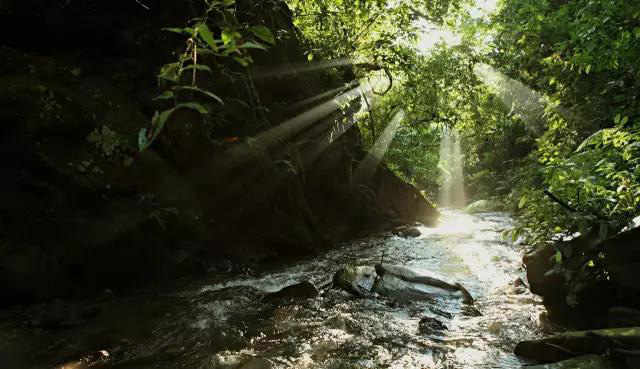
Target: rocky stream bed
x,y
229,320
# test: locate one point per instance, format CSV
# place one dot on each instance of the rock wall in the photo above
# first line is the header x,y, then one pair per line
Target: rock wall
x,y
83,210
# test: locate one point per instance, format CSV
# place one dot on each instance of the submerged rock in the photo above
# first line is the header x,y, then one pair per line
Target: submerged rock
x,y
406,232
303,290
580,362
571,344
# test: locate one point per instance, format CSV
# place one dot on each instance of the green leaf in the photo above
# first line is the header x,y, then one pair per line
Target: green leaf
x,y
170,72
616,120
193,106
143,143
558,257
197,89
515,235
588,69
624,120
253,45
197,67
310,56
227,36
207,36
244,61
147,136
263,33
168,94
523,201
182,31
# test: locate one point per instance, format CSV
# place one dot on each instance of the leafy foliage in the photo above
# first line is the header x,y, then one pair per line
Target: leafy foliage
x,y
215,35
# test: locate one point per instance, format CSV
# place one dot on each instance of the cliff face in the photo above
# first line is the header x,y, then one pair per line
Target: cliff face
x,y
83,210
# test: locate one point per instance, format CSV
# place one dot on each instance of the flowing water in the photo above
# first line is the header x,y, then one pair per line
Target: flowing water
x,y
222,322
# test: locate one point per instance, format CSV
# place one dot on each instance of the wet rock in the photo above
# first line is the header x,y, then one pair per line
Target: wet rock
x,y
571,344
624,317
342,322
259,363
538,263
580,362
468,310
428,325
60,314
356,279
302,290
231,361
406,232
397,282
441,312
49,316
423,277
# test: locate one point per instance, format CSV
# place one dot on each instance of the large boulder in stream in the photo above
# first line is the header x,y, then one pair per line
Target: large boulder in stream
x,y
580,362
398,282
571,344
595,296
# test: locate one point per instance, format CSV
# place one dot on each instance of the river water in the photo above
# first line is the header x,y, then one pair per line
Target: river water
x,y
222,321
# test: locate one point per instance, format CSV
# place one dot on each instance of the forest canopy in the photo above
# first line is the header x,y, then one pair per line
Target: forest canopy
x,y
544,94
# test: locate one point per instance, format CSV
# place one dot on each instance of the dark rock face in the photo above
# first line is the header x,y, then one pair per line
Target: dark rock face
x,y
84,211
596,296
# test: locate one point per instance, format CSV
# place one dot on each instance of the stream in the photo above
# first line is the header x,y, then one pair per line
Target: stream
x,y
221,321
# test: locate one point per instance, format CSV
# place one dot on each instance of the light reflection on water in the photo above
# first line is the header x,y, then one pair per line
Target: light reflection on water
x,y
378,333
222,322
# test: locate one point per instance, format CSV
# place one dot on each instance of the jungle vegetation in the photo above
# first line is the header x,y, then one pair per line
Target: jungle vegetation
x,y
544,94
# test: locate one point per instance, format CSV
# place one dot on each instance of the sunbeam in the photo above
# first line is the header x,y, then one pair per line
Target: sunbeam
x,y
452,187
324,95
365,171
522,100
287,69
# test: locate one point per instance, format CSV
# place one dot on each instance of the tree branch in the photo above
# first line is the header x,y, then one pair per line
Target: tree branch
x,y
390,76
